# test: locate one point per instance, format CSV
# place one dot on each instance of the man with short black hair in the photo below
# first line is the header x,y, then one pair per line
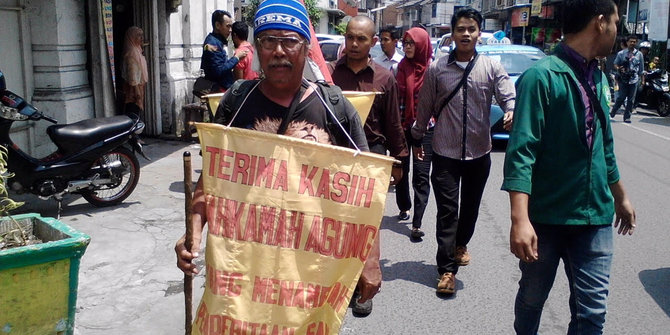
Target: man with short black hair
x,y
629,63
215,62
460,101
243,69
390,57
356,71
562,209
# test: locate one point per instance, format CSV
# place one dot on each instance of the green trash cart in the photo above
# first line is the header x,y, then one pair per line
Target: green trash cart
x,y
38,283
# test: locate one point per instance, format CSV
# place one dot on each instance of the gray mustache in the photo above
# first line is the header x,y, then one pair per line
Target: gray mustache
x,y
280,64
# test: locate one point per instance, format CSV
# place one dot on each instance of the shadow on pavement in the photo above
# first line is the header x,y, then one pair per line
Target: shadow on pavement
x,y
654,119
415,272
412,271
178,186
657,284
399,227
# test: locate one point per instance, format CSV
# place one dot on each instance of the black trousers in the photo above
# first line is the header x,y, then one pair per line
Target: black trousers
x,y
456,224
420,180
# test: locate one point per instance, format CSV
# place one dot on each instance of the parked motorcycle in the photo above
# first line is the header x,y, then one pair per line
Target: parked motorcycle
x,y
655,92
95,158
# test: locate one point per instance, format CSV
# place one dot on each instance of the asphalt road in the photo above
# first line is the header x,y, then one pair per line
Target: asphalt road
x,y
129,284
639,301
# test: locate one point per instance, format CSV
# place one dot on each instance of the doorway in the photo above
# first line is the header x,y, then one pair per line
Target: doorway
x,y
128,13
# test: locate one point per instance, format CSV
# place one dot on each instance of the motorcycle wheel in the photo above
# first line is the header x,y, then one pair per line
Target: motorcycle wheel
x,y
124,180
663,106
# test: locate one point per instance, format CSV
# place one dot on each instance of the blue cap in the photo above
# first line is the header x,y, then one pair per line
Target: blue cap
x,y
282,15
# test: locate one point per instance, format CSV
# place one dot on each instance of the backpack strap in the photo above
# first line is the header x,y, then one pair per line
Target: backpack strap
x,y
233,101
337,122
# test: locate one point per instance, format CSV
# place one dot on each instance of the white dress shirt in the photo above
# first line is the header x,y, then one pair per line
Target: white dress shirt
x,y
389,63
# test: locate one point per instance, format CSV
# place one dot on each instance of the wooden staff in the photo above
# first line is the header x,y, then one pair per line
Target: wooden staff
x,y
188,243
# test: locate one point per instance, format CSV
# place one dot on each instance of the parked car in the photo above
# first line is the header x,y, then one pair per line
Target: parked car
x,y
331,49
434,42
515,59
323,37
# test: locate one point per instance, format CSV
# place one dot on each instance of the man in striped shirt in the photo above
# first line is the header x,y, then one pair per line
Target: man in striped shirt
x,y
462,139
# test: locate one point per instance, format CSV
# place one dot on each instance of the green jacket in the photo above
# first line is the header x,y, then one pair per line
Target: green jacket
x,y
547,154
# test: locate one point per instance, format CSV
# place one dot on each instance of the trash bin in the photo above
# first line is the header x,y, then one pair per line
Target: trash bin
x,y
38,282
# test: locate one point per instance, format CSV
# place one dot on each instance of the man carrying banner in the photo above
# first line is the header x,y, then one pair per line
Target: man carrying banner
x,y
285,103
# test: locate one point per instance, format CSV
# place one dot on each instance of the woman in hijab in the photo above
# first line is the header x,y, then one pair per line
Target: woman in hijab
x,y
411,71
134,71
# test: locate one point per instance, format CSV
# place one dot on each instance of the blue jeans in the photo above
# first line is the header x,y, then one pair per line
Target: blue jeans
x,y
626,92
586,252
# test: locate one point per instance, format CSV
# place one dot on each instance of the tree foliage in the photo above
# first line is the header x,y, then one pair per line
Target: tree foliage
x,y
340,28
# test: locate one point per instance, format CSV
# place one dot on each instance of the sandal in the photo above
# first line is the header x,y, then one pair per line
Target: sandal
x,y
417,233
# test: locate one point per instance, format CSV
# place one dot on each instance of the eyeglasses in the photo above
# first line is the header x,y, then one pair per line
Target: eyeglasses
x,y
287,43
408,43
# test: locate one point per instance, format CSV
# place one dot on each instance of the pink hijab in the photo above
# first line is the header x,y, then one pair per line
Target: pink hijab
x,y
132,50
411,72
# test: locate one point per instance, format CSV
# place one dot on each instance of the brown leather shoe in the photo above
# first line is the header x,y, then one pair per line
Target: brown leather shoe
x,y
447,284
462,256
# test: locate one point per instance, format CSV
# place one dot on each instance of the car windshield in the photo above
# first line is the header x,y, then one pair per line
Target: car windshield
x,y
515,62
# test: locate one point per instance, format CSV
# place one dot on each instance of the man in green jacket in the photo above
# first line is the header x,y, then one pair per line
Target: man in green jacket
x,y
561,173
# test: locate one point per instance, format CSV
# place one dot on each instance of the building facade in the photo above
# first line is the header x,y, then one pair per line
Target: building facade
x,y
433,15
64,56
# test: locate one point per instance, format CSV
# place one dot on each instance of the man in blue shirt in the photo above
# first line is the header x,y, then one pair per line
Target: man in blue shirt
x,y
218,67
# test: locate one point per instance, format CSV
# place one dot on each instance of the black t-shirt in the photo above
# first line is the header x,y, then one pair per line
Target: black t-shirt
x,y
309,121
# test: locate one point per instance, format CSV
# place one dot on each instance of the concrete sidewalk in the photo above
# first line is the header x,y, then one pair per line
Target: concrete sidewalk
x,y
128,279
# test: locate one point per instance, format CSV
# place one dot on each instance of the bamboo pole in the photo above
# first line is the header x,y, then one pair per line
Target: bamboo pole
x,y
188,280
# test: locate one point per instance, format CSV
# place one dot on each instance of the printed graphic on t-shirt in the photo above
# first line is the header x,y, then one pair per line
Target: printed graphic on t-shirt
x,y
300,129
308,121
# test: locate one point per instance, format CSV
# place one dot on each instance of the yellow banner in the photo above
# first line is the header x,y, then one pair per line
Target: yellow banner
x,y
362,101
291,223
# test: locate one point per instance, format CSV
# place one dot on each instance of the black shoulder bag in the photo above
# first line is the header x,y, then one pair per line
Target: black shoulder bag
x,y
468,68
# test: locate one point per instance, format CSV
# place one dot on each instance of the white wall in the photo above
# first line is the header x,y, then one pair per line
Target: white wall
x,y
180,55
59,56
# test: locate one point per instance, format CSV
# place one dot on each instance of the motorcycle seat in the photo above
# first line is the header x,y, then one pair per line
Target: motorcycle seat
x,y
75,136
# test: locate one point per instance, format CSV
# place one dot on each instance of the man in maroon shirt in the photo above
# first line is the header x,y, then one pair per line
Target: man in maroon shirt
x,y
356,71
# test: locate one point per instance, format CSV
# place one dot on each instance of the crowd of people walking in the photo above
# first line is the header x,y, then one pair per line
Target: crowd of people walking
x,y
434,115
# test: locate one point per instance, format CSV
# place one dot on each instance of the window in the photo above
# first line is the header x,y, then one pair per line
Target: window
x,y
434,10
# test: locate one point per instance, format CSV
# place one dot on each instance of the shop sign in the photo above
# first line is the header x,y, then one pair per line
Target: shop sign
x,y
520,17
